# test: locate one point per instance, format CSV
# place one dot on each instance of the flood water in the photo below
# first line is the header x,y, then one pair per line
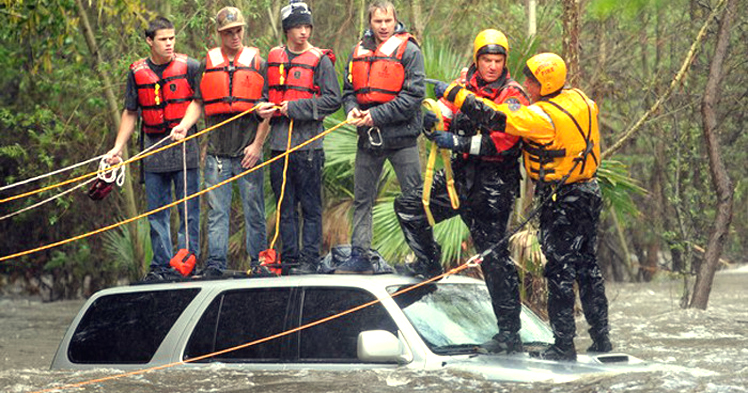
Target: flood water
x,y
704,351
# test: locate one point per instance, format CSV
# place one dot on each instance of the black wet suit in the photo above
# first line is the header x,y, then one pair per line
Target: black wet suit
x,y
568,238
487,190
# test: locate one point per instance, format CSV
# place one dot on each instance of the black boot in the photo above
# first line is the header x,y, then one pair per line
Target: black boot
x,y
600,344
503,343
557,351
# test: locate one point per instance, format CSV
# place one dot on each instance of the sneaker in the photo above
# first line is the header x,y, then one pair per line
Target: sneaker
x,y
304,268
601,345
555,352
260,271
422,270
503,343
163,275
211,272
357,263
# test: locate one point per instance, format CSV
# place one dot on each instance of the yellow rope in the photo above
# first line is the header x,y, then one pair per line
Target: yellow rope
x,y
283,188
146,214
131,160
428,180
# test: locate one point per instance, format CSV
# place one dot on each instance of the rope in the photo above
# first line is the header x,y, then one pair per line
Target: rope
x,y
34,206
283,188
33,179
146,214
428,180
186,216
471,263
138,157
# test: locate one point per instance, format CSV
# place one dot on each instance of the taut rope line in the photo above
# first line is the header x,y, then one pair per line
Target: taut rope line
x,y
146,214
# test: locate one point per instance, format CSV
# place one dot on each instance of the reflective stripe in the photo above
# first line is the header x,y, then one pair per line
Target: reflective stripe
x,y
538,110
216,57
391,45
475,145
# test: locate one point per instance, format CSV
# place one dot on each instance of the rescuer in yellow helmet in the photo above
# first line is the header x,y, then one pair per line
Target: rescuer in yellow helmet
x,y
486,173
562,153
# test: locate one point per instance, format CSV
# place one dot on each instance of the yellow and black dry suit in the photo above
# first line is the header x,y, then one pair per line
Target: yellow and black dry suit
x,y
562,153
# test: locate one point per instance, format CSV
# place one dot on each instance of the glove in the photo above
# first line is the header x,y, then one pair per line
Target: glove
x,y
484,115
429,120
444,140
439,89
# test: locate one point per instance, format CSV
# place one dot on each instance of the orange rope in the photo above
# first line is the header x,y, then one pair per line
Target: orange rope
x,y
131,160
146,214
269,338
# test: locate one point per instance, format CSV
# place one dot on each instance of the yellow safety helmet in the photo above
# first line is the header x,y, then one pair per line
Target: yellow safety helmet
x,y
490,41
549,69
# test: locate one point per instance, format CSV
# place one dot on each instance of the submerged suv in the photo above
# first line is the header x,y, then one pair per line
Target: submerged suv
x,y
428,328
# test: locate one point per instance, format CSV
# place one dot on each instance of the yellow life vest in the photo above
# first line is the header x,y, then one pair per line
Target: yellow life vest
x,y
575,151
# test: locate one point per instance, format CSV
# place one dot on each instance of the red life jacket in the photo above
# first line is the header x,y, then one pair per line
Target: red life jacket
x,y
163,101
505,143
377,77
231,87
288,81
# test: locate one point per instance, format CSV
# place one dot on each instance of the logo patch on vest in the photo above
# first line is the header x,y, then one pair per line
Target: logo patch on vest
x,y
173,87
297,74
513,104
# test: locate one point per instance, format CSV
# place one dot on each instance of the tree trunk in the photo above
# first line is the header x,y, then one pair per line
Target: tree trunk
x,y
131,209
532,19
416,19
570,40
720,177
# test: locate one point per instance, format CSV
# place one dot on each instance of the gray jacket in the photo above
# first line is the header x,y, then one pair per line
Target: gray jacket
x,y
399,120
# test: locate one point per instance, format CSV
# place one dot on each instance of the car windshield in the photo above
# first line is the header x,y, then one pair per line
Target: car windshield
x,y
454,316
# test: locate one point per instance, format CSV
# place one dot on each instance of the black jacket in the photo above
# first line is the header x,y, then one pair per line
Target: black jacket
x,y
398,120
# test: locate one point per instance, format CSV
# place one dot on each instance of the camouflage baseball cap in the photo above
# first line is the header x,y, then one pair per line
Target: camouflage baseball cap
x,y
229,17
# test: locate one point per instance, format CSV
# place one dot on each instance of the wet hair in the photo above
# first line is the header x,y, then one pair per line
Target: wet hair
x,y
382,5
156,24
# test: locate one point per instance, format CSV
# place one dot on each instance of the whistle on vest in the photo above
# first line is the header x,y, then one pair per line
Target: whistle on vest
x,y
183,262
282,72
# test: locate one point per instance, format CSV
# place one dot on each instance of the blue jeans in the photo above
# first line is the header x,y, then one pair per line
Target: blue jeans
x,y
158,193
303,188
218,169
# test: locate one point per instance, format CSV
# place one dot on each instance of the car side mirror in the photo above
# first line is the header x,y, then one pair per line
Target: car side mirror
x,y
381,346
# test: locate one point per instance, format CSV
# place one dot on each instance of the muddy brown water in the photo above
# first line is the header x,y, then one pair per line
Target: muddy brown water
x,y
711,346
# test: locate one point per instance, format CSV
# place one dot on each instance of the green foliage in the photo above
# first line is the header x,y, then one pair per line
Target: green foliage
x,y
120,251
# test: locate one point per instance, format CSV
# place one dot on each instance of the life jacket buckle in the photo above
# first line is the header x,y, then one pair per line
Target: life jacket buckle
x,y
378,141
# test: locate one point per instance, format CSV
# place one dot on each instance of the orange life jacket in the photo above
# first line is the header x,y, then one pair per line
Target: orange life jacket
x,y
288,81
378,76
163,101
231,87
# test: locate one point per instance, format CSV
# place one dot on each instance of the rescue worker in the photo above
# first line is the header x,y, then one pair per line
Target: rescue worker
x,y
561,154
161,87
302,82
486,173
231,82
383,88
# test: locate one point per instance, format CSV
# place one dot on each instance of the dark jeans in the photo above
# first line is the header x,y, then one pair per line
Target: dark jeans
x,y
369,164
158,186
487,192
303,190
568,237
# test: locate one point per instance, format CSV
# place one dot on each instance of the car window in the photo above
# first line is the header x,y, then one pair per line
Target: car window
x,y
240,317
460,314
127,328
336,340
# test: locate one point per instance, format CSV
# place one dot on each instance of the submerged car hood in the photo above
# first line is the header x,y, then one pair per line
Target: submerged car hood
x,y
523,368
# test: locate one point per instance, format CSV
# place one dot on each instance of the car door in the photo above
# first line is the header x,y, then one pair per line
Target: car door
x,y
239,317
334,342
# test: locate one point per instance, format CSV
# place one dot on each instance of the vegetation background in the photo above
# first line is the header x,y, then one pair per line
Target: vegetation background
x,y
668,75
